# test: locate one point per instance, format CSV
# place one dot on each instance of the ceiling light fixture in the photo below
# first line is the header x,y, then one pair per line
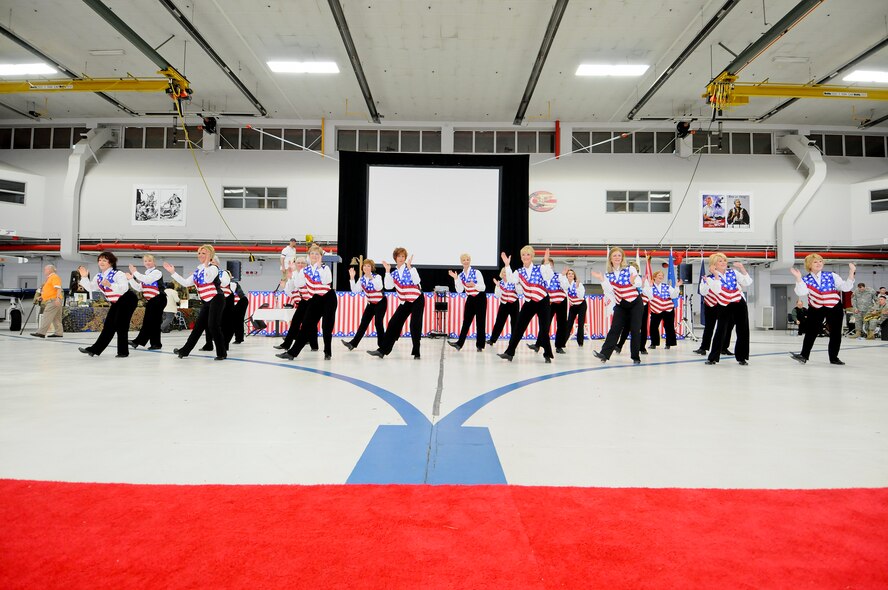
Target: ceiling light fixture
x,y
304,67
106,52
867,76
790,59
26,69
610,70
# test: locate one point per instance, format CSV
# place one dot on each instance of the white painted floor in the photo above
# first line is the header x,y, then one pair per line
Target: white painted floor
x,y
671,422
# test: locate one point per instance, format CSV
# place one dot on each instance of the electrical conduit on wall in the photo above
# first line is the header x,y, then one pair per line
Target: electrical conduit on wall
x,y
809,156
83,150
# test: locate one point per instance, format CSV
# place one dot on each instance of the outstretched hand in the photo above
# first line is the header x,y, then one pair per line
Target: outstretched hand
x,y
169,267
410,262
596,275
506,259
453,274
795,272
83,272
351,273
386,266
132,268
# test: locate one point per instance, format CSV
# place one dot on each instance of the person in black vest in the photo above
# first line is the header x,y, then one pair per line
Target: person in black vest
x,y
114,286
150,285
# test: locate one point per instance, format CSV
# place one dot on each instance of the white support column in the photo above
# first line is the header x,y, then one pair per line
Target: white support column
x,y
447,139
84,151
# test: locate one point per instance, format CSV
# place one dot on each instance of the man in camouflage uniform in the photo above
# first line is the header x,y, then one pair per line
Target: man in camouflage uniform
x,y
862,301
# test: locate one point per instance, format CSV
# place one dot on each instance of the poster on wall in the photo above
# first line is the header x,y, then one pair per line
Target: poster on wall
x,y
158,205
725,212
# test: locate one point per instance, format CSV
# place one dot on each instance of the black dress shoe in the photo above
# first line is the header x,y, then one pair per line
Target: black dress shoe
x,y
636,361
836,362
417,356
559,350
120,356
534,347
455,345
238,342
798,357
327,357
38,335
376,353
727,352
348,345
618,349
508,357
285,355
742,363
133,344
87,351
315,349
179,352
548,359
653,347
711,363
701,351
642,351
599,356
220,358
281,347
491,342
155,347
207,348
54,336
668,346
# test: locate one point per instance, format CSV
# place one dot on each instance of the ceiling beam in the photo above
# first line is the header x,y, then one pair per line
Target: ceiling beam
x,y
548,39
342,25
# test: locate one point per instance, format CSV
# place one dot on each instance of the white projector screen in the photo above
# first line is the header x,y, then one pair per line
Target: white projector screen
x,y
435,213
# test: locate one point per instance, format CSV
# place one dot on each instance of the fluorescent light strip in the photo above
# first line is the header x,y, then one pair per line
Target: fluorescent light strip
x,y
106,52
304,67
610,70
26,69
867,76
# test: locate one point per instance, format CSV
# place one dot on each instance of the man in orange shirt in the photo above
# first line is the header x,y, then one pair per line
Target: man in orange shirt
x,y
52,295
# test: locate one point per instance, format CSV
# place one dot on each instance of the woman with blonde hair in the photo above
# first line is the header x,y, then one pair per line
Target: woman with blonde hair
x,y
824,303
206,280
507,295
576,311
621,283
533,280
370,284
660,296
150,285
471,282
318,278
726,286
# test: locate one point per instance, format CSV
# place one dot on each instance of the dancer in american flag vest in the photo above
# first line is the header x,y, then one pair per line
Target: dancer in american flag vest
x,y
370,284
114,286
404,278
621,283
557,289
299,296
150,285
470,282
576,311
645,309
531,279
732,306
660,295
322,305
206,280
507,295
710,318
824,303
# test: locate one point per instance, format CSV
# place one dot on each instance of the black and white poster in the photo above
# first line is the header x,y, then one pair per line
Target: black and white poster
x,y
158,205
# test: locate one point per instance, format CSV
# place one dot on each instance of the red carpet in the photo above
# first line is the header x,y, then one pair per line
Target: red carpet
x,y
63,535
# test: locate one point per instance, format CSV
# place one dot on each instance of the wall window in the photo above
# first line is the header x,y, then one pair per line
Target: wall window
x,y
250,197
875,146
879,201
42,138
12,192
638,202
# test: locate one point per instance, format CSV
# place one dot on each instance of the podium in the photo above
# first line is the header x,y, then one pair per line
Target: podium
x,y
439,326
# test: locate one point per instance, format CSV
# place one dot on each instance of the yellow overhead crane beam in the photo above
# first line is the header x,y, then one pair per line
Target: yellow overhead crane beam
x,y
725,92
172,83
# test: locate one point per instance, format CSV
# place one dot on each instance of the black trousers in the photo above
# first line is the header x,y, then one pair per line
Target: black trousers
x,y
735,314
711,318
627,315
320,309
476,309
528,310
558,313
414,310
833,316
240,312
296,323
668,319
150,331
574,312
506,311
642,340
376,312
227,323
209,319
117,322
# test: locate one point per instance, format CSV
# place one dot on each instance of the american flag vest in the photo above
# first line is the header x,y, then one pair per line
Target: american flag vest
x,y
730,291
532,282
226,289
110,295
407,291
825,294
238,292
624,290
710,299
295,296
313,280
572,295
206,291
661,301
556,293
507,292
373,296
469,278
152,290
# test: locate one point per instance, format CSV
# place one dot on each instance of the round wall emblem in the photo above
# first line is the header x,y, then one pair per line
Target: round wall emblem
x,y
542,201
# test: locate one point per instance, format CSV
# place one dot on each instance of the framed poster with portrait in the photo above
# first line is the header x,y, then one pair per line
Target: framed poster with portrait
x,y
725,212
159,205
